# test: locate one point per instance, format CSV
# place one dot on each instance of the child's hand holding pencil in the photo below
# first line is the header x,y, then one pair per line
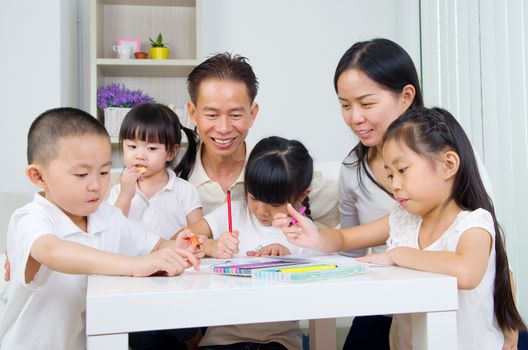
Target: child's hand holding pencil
x,y
226,246
191,242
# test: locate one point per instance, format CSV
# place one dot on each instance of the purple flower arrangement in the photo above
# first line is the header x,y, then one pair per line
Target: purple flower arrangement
x,y
117,95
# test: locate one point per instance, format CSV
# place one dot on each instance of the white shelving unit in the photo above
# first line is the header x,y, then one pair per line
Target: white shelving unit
x,y
164,80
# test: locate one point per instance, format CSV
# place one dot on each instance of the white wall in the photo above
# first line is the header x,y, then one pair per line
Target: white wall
x,y
37,71
294,47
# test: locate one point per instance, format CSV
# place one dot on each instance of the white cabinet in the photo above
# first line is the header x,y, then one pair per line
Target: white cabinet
x,y
164,80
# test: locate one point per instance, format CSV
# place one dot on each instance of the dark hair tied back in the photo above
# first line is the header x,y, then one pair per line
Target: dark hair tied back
x,y
157,123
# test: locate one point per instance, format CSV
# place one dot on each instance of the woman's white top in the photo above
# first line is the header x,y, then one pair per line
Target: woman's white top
x,y
476,323
165,213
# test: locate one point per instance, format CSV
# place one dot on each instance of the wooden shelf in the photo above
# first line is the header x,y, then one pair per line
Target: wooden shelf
x,y
164,80
187,3
114,67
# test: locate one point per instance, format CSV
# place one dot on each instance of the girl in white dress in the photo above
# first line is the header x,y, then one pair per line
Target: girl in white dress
x,y
444,223
278,172
151,190
156,194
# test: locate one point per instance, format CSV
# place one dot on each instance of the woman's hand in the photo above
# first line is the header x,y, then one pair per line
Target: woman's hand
x,y
274,249
303,233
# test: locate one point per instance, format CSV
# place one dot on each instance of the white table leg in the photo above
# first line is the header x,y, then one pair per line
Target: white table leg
x,y
108,342
323,334
434,330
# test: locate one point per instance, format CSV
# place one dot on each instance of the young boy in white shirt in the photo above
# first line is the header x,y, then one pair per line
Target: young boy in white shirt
x,y
69,231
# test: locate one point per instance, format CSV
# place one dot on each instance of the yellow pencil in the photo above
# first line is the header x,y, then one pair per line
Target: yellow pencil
x,y
308,268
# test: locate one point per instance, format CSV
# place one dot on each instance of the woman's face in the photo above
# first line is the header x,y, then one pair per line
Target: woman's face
x,y
369,108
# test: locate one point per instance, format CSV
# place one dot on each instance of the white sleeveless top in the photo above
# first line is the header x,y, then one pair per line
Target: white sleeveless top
x,y
477,326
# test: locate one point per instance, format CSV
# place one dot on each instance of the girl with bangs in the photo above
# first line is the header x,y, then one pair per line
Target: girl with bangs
x,y
157,194
278,172
151,190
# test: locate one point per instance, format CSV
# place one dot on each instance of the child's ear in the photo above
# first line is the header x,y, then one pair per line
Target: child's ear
x,y
173,153
34,174
451,164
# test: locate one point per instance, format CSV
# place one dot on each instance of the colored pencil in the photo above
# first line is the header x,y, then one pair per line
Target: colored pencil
x,y
194,241
294,220
229,216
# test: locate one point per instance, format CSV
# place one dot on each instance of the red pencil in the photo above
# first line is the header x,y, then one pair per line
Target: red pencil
x,y
229,217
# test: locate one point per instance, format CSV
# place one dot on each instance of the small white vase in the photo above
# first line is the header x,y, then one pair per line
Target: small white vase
x,y
113,117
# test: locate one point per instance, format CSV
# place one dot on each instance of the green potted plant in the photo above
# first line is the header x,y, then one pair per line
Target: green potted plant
x,y
158,50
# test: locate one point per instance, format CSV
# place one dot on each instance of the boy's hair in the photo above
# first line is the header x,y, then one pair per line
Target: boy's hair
x,y
157,123
223,66
278,171
428,132
390,66
53,125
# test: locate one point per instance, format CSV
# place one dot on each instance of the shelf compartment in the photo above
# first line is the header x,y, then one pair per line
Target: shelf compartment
x,y
114,67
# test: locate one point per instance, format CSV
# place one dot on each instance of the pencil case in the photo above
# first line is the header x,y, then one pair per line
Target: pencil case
x,y
304,273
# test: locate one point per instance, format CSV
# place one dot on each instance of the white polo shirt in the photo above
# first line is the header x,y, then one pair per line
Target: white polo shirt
x,y
49,312
165,213
324,198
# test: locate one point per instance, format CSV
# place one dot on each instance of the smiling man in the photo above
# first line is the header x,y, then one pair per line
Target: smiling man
x,y
222,105
222,91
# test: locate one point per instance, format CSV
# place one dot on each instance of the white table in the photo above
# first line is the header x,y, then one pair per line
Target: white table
x,y
118,305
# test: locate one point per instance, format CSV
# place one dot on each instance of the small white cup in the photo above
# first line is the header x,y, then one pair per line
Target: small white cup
x,y
123,51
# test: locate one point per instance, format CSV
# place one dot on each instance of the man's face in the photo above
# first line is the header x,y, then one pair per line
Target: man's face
x,y
223,115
